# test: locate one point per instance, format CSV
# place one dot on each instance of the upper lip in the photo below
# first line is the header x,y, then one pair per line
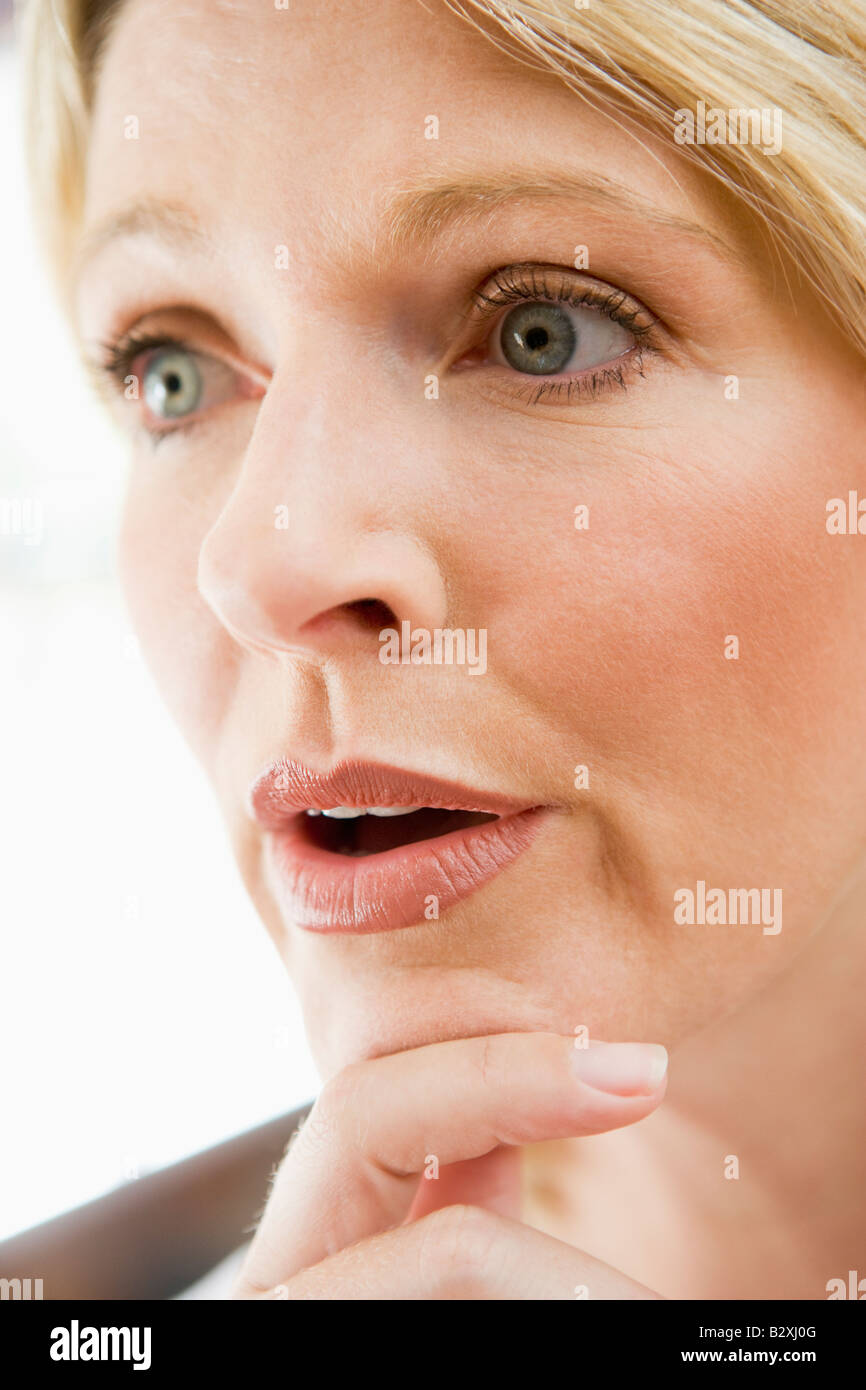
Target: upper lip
x,y
287,787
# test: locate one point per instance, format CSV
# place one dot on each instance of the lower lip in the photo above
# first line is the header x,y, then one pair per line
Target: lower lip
x,y
403,887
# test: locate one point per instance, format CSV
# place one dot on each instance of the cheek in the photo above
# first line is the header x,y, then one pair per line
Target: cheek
x,y
698,648
704,608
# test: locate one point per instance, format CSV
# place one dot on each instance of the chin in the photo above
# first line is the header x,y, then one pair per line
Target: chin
x,y
350,1021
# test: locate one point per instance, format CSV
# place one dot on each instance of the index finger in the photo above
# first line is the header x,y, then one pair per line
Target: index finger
x,y
353,1169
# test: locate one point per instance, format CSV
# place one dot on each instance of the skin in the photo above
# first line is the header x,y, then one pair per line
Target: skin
x,y
606,648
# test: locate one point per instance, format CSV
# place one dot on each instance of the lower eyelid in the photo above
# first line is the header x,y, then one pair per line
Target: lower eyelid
x,y
154,437
590,384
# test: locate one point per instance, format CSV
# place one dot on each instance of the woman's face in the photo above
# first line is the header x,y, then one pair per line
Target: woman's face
x,y
459,349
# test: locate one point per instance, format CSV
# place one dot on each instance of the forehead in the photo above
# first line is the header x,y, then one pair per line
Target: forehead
x,y
298,118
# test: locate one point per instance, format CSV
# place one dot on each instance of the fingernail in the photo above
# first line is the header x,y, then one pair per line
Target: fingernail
x,y
622,1069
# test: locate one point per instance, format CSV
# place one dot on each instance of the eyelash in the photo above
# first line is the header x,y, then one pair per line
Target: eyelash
x,y
514,284
120,354
524,283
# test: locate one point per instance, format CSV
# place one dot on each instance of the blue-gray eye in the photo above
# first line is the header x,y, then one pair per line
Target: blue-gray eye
x,y
541,338
172,384
538,338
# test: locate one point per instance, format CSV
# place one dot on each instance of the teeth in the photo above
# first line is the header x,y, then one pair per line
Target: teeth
x,y
353,812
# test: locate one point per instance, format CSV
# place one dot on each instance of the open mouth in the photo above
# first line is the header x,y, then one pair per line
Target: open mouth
x,y
361,833
370,848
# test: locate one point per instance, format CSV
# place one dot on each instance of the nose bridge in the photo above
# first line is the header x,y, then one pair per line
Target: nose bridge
x,y
323,518
311,448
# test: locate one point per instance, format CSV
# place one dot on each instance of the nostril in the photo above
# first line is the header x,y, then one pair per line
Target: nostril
x,y
373,613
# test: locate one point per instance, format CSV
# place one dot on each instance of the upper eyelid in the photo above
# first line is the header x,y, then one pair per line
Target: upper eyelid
x,y
537,279
184,325
573,286
134,343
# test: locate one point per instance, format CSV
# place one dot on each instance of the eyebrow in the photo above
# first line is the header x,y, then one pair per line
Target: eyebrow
x,y
411,214
168,222
426,209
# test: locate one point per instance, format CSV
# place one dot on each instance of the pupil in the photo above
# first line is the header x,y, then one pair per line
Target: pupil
x,y
172,382
537,338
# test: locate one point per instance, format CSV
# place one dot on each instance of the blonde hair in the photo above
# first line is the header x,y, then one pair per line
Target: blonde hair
x,y
652,58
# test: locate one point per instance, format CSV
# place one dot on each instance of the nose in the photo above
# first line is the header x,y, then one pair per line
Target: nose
x,y
322,541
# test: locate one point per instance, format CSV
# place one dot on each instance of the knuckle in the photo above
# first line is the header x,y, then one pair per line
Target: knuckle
x,y
456,1250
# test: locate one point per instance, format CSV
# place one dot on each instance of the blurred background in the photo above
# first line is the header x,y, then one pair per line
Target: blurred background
x,y
145,1014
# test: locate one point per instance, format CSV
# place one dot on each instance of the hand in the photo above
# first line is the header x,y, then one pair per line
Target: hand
x,y
350,1215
